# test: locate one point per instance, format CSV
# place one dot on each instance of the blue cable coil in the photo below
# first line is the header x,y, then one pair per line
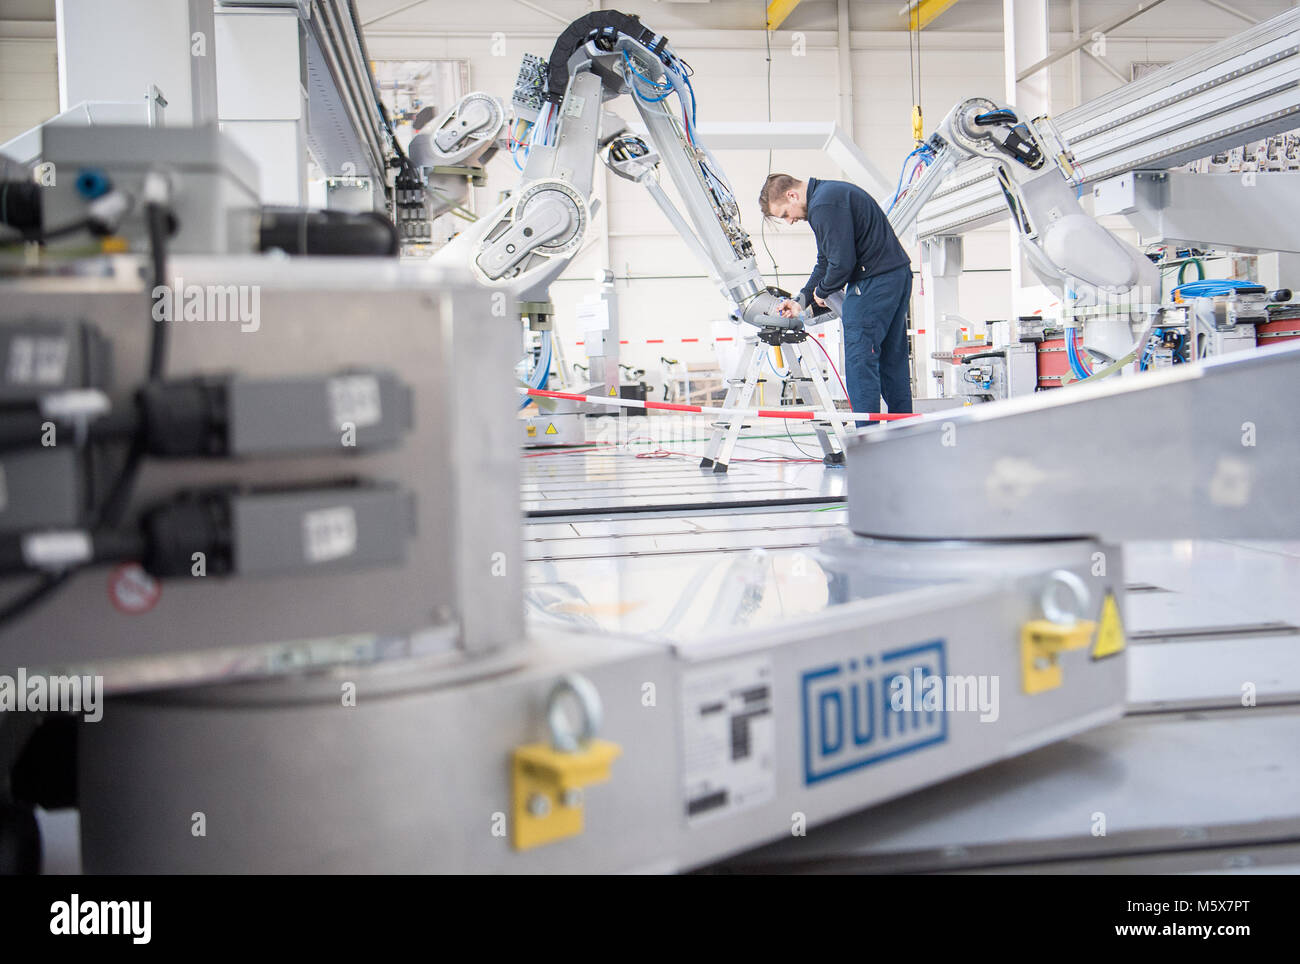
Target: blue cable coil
x,y
1211,287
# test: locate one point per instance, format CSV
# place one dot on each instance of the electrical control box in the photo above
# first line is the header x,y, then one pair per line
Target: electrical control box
x,y
215,186
530,87
360,476
997,373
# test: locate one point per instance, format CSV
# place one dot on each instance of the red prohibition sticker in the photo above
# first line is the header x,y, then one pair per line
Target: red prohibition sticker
x,y
131,590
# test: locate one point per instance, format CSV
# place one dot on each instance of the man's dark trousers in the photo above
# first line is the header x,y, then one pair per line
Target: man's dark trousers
x,y
875,341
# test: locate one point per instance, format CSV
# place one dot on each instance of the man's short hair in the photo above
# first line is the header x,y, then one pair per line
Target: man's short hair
x,y
775,187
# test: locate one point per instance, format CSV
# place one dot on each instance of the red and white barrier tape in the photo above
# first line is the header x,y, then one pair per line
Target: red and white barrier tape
x,y
798,413
691,341
697,341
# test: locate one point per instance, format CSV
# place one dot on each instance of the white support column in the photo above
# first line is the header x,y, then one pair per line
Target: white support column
x,y
941,264
263,105
1026,41
1076,59
842,39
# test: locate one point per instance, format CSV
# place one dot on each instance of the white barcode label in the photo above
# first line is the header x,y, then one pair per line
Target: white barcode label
x,y
37,361
354,399
729,737
329,534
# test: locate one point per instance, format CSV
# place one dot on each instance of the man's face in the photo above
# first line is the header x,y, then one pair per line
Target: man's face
x,y
790,207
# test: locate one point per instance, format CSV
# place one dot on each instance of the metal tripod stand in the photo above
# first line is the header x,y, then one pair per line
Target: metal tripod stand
x,y
744,380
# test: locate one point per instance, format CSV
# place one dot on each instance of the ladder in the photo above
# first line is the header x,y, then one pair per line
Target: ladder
x,y
744,380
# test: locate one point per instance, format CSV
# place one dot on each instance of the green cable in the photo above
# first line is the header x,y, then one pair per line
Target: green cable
x,y
1200,270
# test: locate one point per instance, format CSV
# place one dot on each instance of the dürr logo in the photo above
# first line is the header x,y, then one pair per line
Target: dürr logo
x,y
851,721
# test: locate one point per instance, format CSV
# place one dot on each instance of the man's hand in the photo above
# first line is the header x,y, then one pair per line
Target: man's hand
x,y
790,309
817,298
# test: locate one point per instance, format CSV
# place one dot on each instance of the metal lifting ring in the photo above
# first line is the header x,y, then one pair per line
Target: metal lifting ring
x,y
563,738
1065,616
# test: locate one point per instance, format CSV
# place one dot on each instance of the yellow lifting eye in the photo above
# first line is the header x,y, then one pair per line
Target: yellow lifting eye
x,y
1042,641
547,779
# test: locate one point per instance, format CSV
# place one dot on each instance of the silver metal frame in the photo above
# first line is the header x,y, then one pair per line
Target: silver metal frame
x,y
1199,450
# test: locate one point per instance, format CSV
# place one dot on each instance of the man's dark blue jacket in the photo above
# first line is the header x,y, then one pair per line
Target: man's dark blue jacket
x,y
854,239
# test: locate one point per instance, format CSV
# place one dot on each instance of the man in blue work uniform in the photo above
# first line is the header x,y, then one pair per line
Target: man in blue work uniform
x,y
857,252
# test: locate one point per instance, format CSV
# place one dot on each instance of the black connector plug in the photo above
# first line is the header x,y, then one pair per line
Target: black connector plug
x,y
186,418
193,523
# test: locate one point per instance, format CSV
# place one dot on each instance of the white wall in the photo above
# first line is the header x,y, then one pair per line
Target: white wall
x,y
111,63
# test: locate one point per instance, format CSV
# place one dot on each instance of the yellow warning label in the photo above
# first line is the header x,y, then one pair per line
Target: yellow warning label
x,y
613,392
1110,630
532,431
552,430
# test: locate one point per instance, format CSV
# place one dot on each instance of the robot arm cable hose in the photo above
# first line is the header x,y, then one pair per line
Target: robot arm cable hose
x,y
1077,365
633,72
709,165
681,84
923,151
542,371
538,133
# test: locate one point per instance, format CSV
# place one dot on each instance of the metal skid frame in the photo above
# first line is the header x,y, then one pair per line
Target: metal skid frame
x,y
744,380
1085,461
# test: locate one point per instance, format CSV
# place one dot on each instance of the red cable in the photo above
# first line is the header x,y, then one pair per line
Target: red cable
x,y
831,362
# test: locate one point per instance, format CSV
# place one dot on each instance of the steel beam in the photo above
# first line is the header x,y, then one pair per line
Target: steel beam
x,y
1101,28
1229,8
778,10
921,13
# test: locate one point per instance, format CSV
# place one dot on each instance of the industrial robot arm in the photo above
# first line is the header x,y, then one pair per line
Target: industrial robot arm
x,y
1075,257
451,150
523,245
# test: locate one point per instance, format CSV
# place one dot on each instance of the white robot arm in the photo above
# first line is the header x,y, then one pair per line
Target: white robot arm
x,y
523,245
451,150
1073,255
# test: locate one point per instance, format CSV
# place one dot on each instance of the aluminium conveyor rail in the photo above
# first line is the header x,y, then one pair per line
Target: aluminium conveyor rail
x,y
1244,88
345,126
